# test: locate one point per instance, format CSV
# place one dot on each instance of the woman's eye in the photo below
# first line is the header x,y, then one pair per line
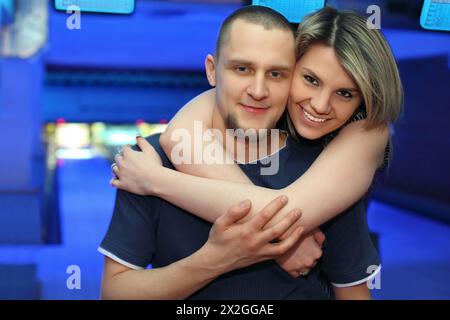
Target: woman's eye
x,y
345,94
311,80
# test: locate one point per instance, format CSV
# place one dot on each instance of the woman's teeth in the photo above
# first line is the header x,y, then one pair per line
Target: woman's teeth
x,y
312,118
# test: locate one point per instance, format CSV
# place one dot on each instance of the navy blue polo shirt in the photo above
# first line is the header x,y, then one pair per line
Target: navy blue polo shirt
x,y
148,230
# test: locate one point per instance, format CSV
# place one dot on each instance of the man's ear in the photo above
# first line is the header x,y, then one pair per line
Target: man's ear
x,y
210,67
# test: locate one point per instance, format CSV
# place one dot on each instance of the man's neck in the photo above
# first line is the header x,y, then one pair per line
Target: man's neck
x,y
245,150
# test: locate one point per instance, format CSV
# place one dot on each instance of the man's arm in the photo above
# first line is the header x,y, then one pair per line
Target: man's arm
x,y
349,252
231,245
176,281
359,292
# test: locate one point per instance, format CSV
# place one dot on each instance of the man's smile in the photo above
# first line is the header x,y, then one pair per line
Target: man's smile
x,y
254,109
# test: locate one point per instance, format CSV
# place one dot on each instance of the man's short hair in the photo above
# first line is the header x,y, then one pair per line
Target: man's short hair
x,y
259,15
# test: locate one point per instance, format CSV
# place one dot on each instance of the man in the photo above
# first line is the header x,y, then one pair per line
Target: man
x,y
255,54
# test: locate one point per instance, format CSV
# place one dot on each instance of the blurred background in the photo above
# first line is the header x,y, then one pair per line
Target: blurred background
x,y
73,91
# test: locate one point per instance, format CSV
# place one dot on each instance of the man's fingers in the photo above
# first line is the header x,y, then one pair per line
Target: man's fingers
x,y
143,144
290,230
279,248
274,232
269,211
235,213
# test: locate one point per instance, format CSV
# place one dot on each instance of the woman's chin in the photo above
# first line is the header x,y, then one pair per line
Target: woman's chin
x,y
309,134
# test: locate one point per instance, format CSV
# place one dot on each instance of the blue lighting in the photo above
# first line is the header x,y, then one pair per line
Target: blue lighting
x,y
435,15
113,6
6,12
293,10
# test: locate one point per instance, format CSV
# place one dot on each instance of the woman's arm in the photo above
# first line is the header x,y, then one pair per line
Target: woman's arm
x,y
194,120
339,177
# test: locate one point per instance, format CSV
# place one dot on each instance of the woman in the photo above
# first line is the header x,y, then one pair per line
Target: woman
x,y
344,72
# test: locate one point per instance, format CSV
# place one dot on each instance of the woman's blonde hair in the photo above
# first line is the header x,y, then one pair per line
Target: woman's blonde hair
x,y
364,53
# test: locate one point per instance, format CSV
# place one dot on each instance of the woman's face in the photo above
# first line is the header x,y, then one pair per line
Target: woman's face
x,y
323,96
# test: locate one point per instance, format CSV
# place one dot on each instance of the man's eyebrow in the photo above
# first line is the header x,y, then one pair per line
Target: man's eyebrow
x,y
315,76
280,67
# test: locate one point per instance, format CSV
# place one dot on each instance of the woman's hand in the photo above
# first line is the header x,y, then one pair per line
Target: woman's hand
x,y
303,256
135,170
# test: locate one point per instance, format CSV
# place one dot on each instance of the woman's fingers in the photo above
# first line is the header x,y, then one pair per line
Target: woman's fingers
x,y
118,158
115,183
143,144
269,211
319,237
115,170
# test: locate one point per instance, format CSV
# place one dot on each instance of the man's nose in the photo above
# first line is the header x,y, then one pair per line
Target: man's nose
x,y
258,87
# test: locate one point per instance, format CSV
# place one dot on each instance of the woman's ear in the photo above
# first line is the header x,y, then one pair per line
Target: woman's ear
x,y
210,67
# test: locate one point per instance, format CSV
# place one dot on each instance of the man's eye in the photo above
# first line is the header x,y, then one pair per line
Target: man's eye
x,y
311,80
241,69
345,94
275,74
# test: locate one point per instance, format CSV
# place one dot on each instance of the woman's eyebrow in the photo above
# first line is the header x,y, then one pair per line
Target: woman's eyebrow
x,y
351,89
318,78
312,73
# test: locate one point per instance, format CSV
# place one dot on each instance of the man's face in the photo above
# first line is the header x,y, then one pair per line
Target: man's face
x,y
252,75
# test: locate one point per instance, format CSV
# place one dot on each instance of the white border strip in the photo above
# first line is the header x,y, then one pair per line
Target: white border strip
x,y
344,285
117,259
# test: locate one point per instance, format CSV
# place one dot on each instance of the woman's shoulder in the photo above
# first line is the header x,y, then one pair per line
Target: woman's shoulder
x,y
358,115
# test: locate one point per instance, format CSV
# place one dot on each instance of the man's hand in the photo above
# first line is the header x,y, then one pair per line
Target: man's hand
x,y
131,168
233,244
303,256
